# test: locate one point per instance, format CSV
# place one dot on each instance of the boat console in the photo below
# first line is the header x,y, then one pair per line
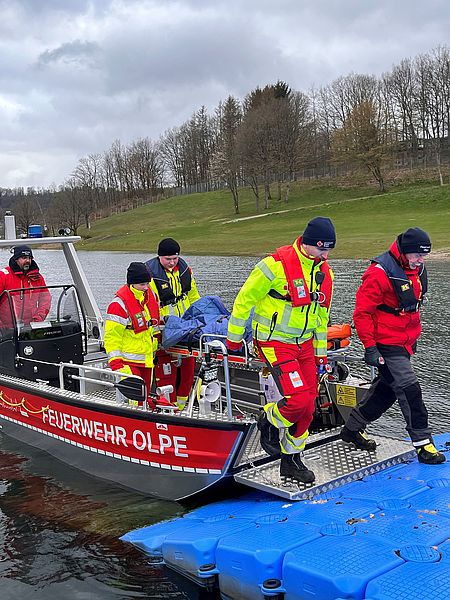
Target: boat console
x,y
31,349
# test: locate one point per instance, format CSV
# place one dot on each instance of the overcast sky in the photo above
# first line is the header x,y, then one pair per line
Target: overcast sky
x,y
75,74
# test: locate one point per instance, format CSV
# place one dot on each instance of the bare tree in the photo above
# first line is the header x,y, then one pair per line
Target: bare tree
x,y
25,210
67,208
364,140
258,137
400,91
170,148
226,160
87,178
146,166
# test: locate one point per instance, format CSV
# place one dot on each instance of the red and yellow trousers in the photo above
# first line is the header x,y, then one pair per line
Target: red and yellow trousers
x,y
181,377
295,372
141,371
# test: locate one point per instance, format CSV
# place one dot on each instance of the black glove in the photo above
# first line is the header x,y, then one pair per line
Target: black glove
x,y
372,357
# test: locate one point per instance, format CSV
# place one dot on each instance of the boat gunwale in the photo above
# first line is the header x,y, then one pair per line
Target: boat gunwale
x,y
85,402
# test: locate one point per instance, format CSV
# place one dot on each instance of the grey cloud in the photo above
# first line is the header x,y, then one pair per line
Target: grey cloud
x,y
77,74
40,8
76,51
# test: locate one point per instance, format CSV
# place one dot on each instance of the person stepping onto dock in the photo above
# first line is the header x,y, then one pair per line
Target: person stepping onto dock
x,y
387,320
291,291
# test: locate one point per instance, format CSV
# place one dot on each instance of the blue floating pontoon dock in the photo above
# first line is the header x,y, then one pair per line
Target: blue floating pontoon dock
x,y
384,537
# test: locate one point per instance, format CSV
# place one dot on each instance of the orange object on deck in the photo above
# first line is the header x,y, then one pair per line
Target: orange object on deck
x,y
338,336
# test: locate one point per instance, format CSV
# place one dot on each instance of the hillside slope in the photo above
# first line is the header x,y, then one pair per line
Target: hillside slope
x,y
205,224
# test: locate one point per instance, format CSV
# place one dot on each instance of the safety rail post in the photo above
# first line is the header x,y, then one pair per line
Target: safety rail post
x,y
214,345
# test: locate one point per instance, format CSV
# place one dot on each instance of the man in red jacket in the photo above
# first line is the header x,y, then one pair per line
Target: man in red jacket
x,y
387,320
23,274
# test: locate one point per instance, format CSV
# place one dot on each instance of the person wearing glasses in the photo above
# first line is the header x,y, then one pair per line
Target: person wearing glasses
x,y
291,291
387,320
174,284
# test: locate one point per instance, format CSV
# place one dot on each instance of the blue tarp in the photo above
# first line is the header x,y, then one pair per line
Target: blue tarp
x,y
207,315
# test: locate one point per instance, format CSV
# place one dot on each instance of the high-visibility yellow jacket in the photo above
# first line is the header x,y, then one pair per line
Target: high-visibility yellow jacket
x,y
122,344
184,299
276,318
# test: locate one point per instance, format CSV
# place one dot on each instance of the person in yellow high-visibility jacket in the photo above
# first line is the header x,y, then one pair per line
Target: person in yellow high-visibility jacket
x,y
291,291
175,287
132,320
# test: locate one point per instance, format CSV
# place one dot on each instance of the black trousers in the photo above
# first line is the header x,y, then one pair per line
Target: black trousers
x,y
396,380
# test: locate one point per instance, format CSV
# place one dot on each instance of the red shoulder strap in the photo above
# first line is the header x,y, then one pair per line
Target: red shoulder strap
x,y
296,282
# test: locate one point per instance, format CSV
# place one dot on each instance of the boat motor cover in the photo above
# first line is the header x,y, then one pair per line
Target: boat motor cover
x,y
206,315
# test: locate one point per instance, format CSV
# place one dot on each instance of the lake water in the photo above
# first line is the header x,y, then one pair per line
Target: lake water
x,y
59,529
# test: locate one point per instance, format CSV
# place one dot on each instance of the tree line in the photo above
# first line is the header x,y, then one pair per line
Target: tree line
x,y
272,136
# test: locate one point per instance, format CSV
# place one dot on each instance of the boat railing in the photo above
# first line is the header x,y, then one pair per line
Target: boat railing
x,y
130,386
246,355
217,346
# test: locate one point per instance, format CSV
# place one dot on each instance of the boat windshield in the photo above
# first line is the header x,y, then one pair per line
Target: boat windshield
x,y
35,312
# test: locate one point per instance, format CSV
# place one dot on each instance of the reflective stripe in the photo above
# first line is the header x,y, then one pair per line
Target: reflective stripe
x,y
262,320
262,337
290,444
421,443
319,335
234,337
275,417
120,302
281,328
117,319
126,355
133,357
238,322
265,270
285,318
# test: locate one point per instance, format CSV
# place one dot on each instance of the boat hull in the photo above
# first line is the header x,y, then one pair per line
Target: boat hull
x,y
160,455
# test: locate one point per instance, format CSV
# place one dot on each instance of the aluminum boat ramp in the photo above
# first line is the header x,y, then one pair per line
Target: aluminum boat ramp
x,y
383,536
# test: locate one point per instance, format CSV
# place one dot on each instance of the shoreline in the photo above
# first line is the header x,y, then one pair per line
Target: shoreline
x,y
438,255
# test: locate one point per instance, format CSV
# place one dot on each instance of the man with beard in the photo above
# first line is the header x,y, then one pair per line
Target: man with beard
x,y
22,274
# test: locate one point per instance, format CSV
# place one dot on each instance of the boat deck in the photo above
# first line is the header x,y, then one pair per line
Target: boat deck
x,y
383,537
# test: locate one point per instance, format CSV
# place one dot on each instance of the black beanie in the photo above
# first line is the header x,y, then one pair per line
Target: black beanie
x,y
320,232
414,240
168,247
22,251
137,272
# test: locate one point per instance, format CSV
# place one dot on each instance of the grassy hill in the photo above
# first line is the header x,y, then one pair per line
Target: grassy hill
x,y
205,223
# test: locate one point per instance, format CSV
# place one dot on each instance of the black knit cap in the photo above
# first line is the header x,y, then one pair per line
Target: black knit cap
x,y
414,240
320,232
22,252
168,247
137,272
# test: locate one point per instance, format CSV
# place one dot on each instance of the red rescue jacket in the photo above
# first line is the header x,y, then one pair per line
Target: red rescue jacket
x,y
376,326
31,305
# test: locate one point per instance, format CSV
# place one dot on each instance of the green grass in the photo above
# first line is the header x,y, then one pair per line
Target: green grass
x,y
366,222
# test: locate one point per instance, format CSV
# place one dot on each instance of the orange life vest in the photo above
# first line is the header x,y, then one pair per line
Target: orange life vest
x,y
134,308
298,291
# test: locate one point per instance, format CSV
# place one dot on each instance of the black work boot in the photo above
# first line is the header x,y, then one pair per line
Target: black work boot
x,y
269,438
428,455
358,439
291,466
